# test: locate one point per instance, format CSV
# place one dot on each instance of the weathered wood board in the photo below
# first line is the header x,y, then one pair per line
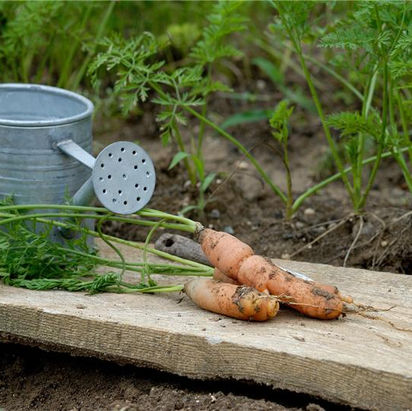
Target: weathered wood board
x,y
355,360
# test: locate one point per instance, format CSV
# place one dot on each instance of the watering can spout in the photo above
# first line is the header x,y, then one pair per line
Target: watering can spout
x,y
85,194
123,176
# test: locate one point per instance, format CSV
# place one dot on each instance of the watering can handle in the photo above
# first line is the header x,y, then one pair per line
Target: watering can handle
x,y
74,150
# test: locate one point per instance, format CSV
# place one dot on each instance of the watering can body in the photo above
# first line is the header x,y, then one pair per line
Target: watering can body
x,y
32,119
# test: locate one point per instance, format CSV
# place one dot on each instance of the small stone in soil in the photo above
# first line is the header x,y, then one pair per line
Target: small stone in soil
x,y
261,85
215,213
309,212
242,165
249,186
229,229
299,225
278,214
368,230
318,230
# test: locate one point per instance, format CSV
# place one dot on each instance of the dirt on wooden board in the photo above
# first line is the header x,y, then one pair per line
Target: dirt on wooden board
x,y
324,230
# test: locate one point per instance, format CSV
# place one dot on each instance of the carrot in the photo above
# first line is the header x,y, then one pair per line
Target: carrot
x,y
310,298
237,301
221,276
224,251
307,297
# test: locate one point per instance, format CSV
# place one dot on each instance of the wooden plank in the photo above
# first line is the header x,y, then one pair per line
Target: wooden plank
x,y
358,361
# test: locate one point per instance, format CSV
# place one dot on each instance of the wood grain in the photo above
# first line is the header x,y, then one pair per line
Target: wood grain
x,y
358,361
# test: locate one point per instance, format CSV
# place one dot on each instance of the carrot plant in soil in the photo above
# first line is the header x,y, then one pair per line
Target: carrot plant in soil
x,y
370,57
50,42
182,92
53,42
366,137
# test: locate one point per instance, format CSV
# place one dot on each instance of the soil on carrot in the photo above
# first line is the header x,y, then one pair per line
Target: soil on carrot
x,y
31,379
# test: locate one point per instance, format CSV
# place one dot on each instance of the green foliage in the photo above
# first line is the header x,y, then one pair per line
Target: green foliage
x,y
294,17
28,258
223,21
183,36
31,257
372,50
362,29
295,95
177,158
134,70
279,123
141,70
280,120
248,116
50,41
353,123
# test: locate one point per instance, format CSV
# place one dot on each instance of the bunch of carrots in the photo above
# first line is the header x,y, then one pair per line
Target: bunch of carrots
x,y
244,285
250,287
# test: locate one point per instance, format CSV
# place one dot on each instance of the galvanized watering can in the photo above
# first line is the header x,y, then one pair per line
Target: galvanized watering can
x,y
45,146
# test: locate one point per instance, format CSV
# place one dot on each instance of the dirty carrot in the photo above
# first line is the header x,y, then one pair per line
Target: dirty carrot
x,y
237,301
224,251
236,260
304,296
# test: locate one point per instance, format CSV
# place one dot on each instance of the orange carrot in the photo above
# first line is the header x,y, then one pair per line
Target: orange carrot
x,y
312,299
224,251
236,260
221,276
237,301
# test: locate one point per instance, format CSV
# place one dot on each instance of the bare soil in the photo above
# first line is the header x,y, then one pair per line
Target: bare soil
x,y
31,379
324,230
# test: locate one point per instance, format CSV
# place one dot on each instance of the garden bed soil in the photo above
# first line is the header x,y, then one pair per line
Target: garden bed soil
x,y
324,230
32,379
